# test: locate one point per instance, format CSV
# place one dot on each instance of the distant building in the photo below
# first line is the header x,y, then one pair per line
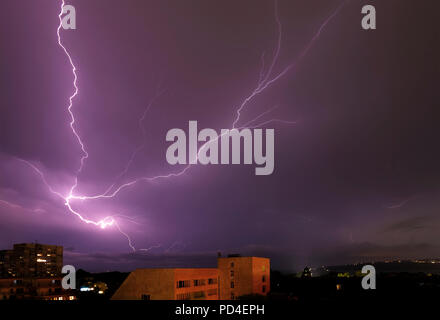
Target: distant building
x,y
33,289
32,271
235,276
307,273
31,260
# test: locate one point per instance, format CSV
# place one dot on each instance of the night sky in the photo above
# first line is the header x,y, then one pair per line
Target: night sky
x,y
356,177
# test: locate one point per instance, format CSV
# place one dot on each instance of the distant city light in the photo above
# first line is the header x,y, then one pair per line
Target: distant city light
x,y
86,289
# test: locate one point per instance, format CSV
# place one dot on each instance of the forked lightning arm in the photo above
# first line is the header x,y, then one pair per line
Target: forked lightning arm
x,y
266,79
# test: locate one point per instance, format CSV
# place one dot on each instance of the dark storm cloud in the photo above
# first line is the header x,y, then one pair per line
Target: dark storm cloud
x,y
157,259
370,252
366,138
409,224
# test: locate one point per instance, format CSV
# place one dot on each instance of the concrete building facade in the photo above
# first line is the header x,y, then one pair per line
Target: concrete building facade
x,y
170,284
242,276
234,277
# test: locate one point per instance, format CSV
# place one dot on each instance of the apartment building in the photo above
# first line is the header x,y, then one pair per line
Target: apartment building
x,y
234,277
33,289
32,271
170,284
31,260
242,276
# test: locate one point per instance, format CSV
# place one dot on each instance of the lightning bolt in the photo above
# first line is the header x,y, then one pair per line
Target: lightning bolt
x,y
266,79
142,145
130,244
107,221
151,248
75,93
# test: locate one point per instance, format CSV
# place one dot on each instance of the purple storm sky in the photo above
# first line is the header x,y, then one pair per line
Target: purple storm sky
x,y
357,177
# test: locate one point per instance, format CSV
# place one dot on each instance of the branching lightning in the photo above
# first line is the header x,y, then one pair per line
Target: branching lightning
x,y
266,79
75,93
264,82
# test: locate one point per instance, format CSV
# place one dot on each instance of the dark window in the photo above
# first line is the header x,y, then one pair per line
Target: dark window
x,y
212,292
199,294
232,264
146,297
200,282
184,296
212,281
232,273
183,283
263,289
232,296
263,279
232,284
